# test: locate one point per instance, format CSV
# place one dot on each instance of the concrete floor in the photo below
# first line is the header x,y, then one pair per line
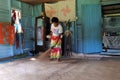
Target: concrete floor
x,y
68,69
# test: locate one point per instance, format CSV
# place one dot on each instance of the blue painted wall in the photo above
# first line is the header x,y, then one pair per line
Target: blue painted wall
x,y
5,50
86,30
92,35
27,16
29,13
85,39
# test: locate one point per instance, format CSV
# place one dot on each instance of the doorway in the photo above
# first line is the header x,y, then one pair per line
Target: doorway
x,y
111,33
111,28
42,29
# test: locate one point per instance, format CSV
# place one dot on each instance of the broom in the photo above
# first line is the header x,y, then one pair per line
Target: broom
x,y
45,55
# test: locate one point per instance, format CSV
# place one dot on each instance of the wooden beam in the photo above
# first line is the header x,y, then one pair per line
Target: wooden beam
x,y
109,7
111,11
36,2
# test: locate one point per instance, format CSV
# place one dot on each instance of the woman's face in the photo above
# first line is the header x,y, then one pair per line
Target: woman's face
x,y
55,24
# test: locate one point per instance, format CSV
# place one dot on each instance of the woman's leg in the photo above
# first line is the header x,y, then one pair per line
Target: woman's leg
x,y
52,54
58,55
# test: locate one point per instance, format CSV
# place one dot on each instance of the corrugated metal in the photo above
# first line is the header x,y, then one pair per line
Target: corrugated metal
x,y
27,9
28,31
73,37
5,50
29,13
37,10
27,16
79,38
16,4
28,26
91,17
79,8
89,1
28,23
4,10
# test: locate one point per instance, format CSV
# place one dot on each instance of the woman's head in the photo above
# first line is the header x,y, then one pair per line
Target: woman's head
x,y
55,21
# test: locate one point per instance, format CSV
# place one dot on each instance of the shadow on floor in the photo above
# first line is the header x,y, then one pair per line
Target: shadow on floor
x,y
13,58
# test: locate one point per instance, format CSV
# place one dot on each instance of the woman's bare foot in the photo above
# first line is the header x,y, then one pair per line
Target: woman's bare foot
x,y
51,59
58,59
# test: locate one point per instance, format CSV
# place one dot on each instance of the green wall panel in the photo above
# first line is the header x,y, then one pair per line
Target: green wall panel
x,y
79,3
5,50
79,36
106,2
88,1
4,11
16,4
29,13
92,38
5,4
37,10
27,9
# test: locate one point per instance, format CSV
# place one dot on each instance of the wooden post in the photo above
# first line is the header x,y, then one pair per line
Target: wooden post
x,y
43,9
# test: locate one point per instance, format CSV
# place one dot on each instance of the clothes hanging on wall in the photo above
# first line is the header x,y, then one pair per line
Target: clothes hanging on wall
x,y
16,22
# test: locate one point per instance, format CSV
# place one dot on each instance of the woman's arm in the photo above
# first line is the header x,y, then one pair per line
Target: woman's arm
x,y
60,35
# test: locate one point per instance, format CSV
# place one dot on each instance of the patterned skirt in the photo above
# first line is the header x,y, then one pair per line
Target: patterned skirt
x,y
56,51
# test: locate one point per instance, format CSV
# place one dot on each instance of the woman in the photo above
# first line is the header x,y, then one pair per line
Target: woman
x,y
56,35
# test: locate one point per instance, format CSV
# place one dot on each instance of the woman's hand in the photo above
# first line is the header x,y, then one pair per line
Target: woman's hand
x,y
48,36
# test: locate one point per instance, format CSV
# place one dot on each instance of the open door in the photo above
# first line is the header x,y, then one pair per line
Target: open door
x,y
42,28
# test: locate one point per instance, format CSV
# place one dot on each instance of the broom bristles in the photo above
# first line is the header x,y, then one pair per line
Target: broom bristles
x,y
44,55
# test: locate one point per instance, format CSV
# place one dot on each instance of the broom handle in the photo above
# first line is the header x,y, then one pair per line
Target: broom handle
x,y
57,41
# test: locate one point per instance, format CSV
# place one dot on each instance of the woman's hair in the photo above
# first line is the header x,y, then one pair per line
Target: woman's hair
x,y
55,19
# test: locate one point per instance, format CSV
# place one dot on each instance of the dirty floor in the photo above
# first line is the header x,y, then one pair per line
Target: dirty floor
x,y
67,69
